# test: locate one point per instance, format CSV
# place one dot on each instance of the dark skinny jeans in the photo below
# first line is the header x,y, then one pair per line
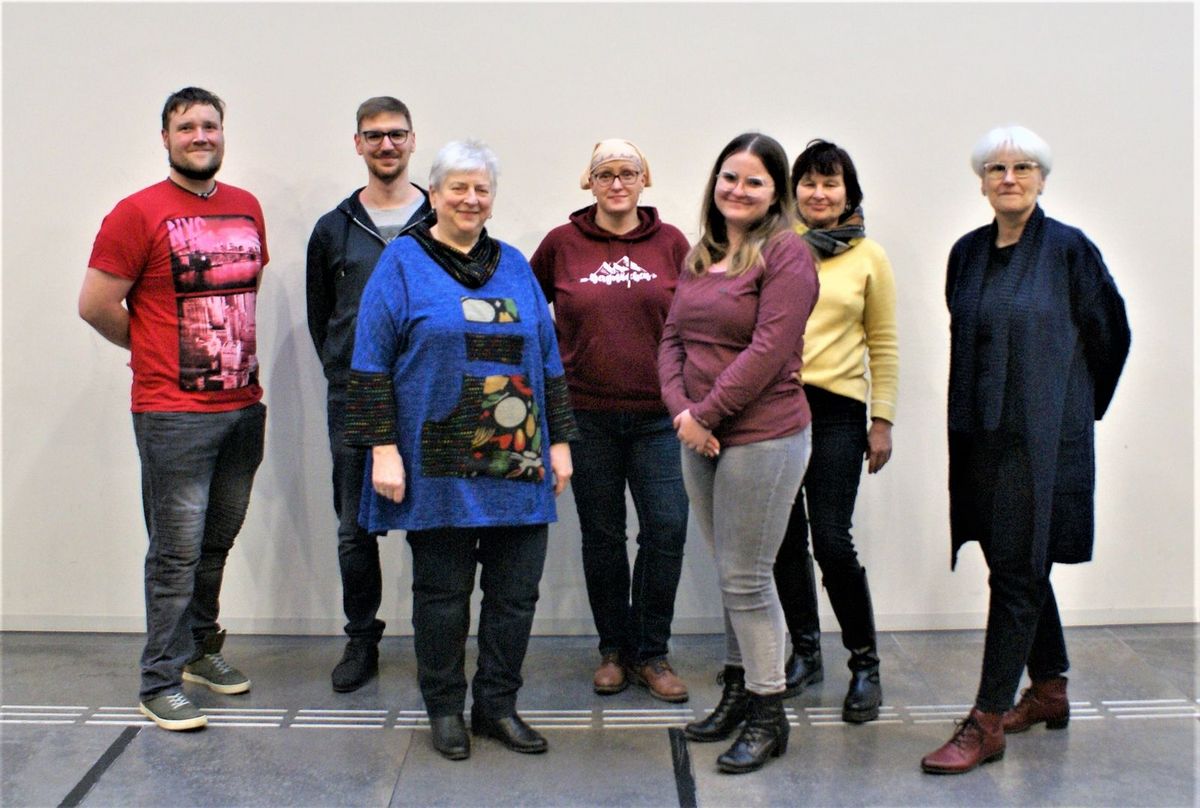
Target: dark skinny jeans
x,y
824,507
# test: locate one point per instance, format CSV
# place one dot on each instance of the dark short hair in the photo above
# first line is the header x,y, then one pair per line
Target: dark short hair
x,y
379,105
188,97
823,157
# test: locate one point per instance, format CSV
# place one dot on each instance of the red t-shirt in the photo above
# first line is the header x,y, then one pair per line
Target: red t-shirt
x,y
195,265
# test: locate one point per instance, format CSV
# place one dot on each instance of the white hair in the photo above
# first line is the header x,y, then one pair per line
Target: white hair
x,y
1011,138
461,156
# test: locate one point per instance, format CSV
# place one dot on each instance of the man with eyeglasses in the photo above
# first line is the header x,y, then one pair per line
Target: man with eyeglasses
x,y
173,278
342,251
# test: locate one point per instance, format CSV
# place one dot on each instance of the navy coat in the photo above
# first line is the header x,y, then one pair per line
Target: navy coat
x,y
1067,341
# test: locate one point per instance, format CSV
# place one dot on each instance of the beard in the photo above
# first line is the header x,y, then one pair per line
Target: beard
x,y
198,174
388,176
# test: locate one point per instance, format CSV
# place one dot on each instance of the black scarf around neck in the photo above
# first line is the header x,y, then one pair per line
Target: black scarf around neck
x,y
832,241
472,269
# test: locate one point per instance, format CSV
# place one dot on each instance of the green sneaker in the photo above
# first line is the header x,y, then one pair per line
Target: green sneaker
x,y
210,669
173,711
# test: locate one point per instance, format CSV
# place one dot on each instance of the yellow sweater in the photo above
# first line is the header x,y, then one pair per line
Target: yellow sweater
x,y
853,329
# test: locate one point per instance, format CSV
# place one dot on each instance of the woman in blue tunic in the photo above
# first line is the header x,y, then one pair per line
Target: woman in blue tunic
x,y
1038,339
458,388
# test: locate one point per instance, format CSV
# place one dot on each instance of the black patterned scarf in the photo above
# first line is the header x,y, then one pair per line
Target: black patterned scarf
x,y
832,241
472,269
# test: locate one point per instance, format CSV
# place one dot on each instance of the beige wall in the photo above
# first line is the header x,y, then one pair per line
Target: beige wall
x,y
906,88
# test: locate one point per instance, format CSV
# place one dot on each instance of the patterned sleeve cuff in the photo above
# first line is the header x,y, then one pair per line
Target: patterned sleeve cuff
x,y
370,410
559,414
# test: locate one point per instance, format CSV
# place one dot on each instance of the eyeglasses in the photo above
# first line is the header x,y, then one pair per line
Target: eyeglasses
x,y
1022,169
605,178
730,180
374,137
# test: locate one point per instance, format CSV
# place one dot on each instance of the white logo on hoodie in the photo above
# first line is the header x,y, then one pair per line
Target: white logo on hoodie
x,y
624,271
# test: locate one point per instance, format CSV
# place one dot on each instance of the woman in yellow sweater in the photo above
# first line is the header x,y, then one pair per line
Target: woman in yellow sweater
x,y
850,360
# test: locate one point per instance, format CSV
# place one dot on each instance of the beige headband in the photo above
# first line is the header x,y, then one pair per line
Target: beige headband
x,y
611,150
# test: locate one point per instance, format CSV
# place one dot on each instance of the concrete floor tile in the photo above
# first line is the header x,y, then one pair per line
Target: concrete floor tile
x,y
1132,739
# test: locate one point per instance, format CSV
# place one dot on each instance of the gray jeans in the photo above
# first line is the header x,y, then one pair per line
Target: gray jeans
x,y
197,470
741,500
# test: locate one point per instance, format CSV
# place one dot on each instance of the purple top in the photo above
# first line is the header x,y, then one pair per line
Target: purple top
x,y
732,348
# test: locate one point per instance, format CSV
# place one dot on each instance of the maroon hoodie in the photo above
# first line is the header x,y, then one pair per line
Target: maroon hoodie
x,y
611,295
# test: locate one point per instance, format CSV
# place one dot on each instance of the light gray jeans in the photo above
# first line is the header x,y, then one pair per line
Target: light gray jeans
x,y
742,500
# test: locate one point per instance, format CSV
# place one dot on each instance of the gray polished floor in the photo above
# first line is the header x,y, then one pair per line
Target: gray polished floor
x,y
71,733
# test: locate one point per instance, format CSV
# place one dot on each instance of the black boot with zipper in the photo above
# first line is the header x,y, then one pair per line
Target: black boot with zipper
x,y
804,667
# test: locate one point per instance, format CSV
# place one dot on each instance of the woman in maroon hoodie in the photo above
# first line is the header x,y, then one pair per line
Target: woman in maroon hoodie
x,y
611,273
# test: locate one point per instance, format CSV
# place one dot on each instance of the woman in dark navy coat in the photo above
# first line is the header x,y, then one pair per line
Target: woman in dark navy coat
x,y
1038,338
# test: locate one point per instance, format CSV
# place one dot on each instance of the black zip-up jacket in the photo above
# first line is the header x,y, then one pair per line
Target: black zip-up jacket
x,y
342,253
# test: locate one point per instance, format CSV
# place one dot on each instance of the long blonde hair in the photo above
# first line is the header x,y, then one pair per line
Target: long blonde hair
x,y
713,245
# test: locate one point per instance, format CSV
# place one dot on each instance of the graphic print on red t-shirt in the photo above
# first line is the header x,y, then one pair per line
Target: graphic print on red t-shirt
x,y
215,262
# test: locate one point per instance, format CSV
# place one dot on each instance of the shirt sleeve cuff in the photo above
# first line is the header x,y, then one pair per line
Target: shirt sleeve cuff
x,y
559,415
370,410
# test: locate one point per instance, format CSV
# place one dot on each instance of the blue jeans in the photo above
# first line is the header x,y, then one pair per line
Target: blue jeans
x,y
741,500
511,558
632,614
824,508
358,550
197,470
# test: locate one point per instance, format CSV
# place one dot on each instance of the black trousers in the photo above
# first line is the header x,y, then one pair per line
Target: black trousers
x,y
1023,625
358,550
511,559
824,508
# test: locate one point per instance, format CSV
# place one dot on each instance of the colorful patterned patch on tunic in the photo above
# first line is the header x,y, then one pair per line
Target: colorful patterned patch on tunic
x,y
494,431
490,310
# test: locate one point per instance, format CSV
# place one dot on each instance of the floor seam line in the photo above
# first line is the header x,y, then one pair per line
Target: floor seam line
x,y
93,775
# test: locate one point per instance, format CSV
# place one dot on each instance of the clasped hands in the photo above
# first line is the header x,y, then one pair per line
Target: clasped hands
x,y
695,436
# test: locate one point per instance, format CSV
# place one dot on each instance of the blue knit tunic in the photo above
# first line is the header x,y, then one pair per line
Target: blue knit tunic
x,y
469,372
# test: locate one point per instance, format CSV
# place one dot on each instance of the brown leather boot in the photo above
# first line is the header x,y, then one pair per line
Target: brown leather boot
x,y
978,739
1044,701
662,682
610,676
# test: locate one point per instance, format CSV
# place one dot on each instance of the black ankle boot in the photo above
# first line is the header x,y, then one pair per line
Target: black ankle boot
x,y
764,735
865,695
804,667
850,597
729,712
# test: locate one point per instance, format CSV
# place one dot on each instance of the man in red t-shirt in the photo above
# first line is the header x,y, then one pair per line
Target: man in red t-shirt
x,y
173,278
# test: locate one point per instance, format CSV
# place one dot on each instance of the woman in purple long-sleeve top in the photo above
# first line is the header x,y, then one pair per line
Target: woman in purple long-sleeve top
x,y
729,364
